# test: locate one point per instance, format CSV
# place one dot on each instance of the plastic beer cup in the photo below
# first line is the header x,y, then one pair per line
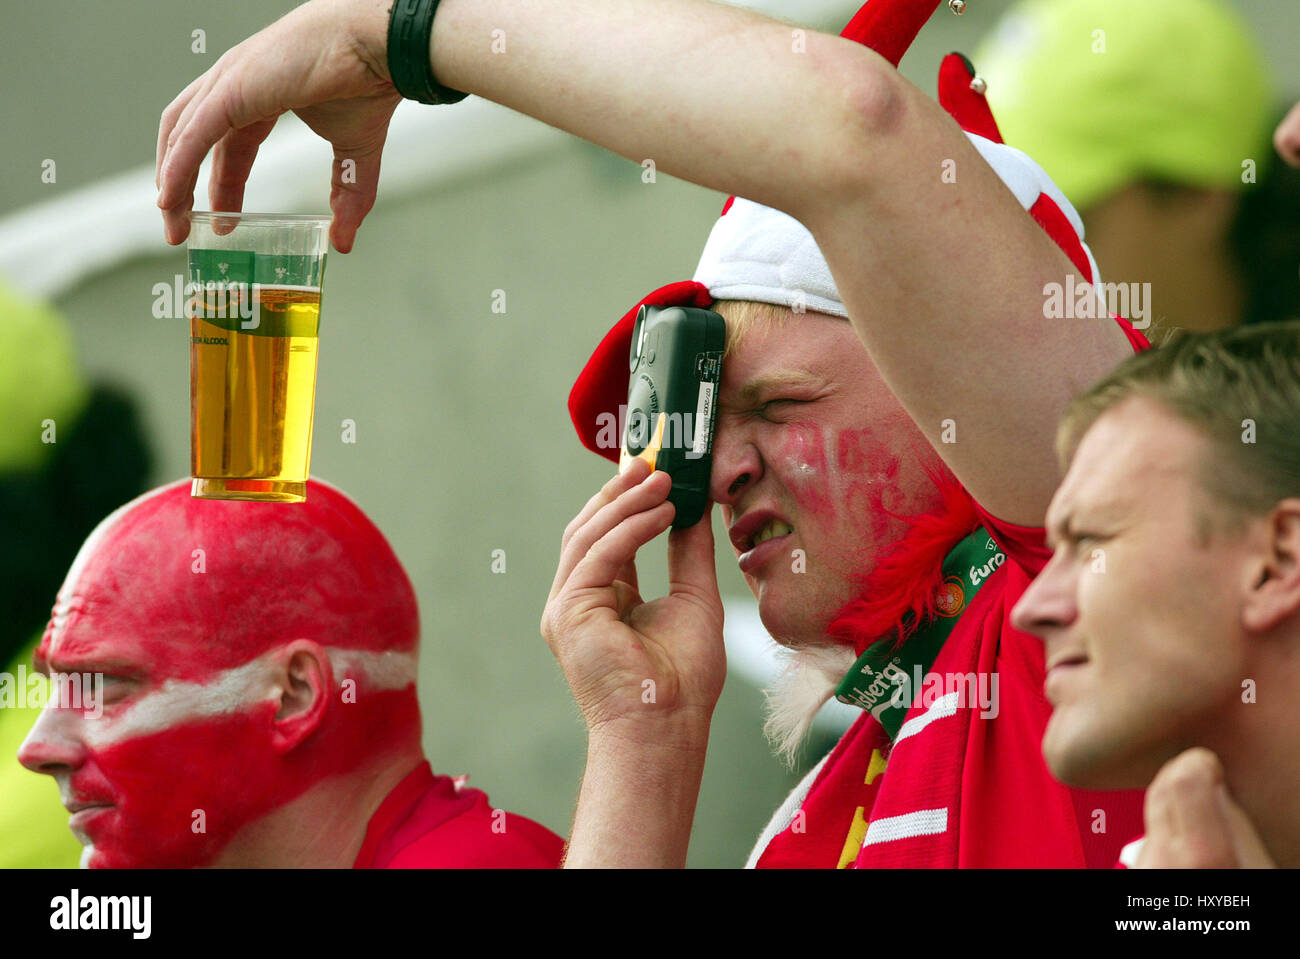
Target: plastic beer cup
x,y
254,298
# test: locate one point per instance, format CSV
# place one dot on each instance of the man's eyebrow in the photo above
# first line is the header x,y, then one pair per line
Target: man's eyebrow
x,y
90,662
1055,528
780,379
1104,512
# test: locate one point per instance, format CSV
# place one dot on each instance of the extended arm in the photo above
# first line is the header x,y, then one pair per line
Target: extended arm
x,y
944,280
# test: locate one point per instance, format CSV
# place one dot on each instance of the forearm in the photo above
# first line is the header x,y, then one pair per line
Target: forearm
x,y
716,95
636,804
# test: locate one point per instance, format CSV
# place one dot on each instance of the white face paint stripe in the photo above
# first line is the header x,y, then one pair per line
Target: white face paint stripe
x,y
230,691
382,669
235,690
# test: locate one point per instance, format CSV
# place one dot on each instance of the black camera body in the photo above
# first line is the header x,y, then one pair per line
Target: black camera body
x,y
672,394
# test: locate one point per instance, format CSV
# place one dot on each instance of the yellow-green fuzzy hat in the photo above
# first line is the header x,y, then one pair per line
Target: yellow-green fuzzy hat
x,y
39,380
1106,92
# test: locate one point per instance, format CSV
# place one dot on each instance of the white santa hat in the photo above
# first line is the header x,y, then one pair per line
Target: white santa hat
x,y
757,253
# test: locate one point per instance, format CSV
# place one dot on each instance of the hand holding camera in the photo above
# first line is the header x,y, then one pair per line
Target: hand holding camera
x,y
651,669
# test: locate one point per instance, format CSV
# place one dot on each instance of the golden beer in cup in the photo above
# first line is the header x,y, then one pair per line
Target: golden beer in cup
x,y
254,311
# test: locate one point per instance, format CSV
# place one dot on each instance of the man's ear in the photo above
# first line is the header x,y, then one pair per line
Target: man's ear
x,y
1274,594
303,679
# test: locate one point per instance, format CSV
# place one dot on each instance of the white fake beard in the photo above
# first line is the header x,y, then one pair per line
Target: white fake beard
x,y
807,681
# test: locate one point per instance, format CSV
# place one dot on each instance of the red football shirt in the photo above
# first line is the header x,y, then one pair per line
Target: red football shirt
x,y
426,822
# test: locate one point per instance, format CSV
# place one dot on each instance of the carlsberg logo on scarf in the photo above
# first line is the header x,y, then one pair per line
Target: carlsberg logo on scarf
x,y
887,680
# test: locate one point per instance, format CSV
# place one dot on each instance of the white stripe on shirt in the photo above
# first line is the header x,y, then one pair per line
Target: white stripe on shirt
x,y
941,708
923,822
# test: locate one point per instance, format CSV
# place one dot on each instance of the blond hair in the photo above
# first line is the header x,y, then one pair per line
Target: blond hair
x,y
744,317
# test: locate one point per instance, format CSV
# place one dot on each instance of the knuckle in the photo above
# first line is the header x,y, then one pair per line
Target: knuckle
x,y
166,171
1190,770
550,617
570,529
553,625
223,179
174,109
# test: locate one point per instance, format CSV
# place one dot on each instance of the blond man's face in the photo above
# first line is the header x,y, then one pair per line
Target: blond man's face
x,y
813,451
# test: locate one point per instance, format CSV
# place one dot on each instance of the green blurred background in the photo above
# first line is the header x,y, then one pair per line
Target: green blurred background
x,y
463,440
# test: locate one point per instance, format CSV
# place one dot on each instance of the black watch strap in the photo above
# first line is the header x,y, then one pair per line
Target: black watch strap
x,y
409,27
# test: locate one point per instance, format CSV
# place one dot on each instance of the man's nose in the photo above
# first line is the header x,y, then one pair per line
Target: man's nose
x,y
54,741
1049,603
737,464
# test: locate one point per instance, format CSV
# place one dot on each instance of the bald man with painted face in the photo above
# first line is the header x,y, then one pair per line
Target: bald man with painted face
x,y
254,697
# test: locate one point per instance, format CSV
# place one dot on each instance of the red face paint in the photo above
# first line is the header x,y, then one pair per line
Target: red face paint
x,y
181,795
176,590
243,576
863,485
802,465
872,481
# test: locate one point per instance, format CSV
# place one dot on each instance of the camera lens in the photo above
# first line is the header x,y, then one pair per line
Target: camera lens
x,y
638,339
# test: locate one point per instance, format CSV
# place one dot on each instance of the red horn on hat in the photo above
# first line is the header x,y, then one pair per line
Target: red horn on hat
x,y
889,26
969,107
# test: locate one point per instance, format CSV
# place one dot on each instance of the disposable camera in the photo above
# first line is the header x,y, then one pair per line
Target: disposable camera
x,y
676,364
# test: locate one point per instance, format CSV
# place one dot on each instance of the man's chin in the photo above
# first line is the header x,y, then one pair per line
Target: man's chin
x,y
93,857
112,852
788,621
795,637
1088,760
106,857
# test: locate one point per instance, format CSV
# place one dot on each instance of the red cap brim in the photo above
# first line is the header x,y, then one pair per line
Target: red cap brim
x,y
601,387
